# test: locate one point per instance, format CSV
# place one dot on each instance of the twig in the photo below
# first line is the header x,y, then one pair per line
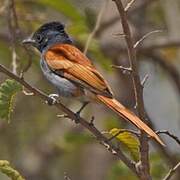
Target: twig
x,y
129,5
62,116
124,69
104,26
118,34
144,80
172,171
138,90
14,60
146,47
13,26
15,32
146,36
169,134
96,27
99,136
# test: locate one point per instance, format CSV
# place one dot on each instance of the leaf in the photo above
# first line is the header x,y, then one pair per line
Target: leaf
x,y
5,168
128,140
8,90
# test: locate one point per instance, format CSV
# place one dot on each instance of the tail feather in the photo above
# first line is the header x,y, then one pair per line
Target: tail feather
x,y
122,111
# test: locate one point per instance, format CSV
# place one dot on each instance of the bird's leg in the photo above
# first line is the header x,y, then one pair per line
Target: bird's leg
x,y
52,99
80,110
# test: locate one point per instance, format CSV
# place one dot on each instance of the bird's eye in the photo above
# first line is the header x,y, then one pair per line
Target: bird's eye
x,y
39,38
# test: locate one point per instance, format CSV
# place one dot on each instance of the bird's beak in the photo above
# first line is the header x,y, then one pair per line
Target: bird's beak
x,y
29,41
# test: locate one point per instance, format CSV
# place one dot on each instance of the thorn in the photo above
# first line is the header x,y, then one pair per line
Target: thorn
x,y
62,116
118,34
135,106
91,123
143,82
125,70
146,36
129,5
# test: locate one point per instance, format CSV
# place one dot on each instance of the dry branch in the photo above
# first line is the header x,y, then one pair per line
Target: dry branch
x,y
99,136
138,90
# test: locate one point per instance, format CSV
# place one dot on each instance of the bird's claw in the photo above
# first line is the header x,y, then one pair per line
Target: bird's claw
x,y
52,99
82,107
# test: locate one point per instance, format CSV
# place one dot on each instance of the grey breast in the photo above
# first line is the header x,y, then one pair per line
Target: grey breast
x,y
65,87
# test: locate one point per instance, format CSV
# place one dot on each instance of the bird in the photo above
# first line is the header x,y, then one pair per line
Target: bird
x,y
73,74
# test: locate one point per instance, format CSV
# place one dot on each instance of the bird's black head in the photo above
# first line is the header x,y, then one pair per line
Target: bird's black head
x,y
47,35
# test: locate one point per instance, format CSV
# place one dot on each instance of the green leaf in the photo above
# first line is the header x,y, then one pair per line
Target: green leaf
x,y
8,90
5,168
128,140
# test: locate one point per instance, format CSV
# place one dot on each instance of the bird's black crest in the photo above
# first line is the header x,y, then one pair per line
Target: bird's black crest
x,y
55,25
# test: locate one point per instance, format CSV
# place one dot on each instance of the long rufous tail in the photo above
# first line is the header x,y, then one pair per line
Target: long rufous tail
x,y
125,113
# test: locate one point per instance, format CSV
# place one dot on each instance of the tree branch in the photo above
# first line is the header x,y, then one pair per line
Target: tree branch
x,y
138,90
169,134
99,136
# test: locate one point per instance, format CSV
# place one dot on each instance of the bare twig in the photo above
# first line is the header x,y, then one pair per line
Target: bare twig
x,y
169,134
13,27
96,27
129,5
99,136
141,5
124,69
144,172
15,32
144,80
146,36
172,171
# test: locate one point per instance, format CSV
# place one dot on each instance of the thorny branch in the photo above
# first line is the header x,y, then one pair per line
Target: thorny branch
x,y
99,136
138,90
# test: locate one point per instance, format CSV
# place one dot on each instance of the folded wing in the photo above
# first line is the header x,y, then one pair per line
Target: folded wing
x,y
66,60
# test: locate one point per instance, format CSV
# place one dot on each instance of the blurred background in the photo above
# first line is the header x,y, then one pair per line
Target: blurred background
x,y
44,147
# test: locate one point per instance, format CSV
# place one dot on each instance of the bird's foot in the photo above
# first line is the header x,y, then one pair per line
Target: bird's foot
x,y
79,112
82,107
52,99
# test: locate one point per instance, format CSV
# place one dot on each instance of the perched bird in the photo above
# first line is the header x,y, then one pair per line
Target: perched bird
x,y
74,75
